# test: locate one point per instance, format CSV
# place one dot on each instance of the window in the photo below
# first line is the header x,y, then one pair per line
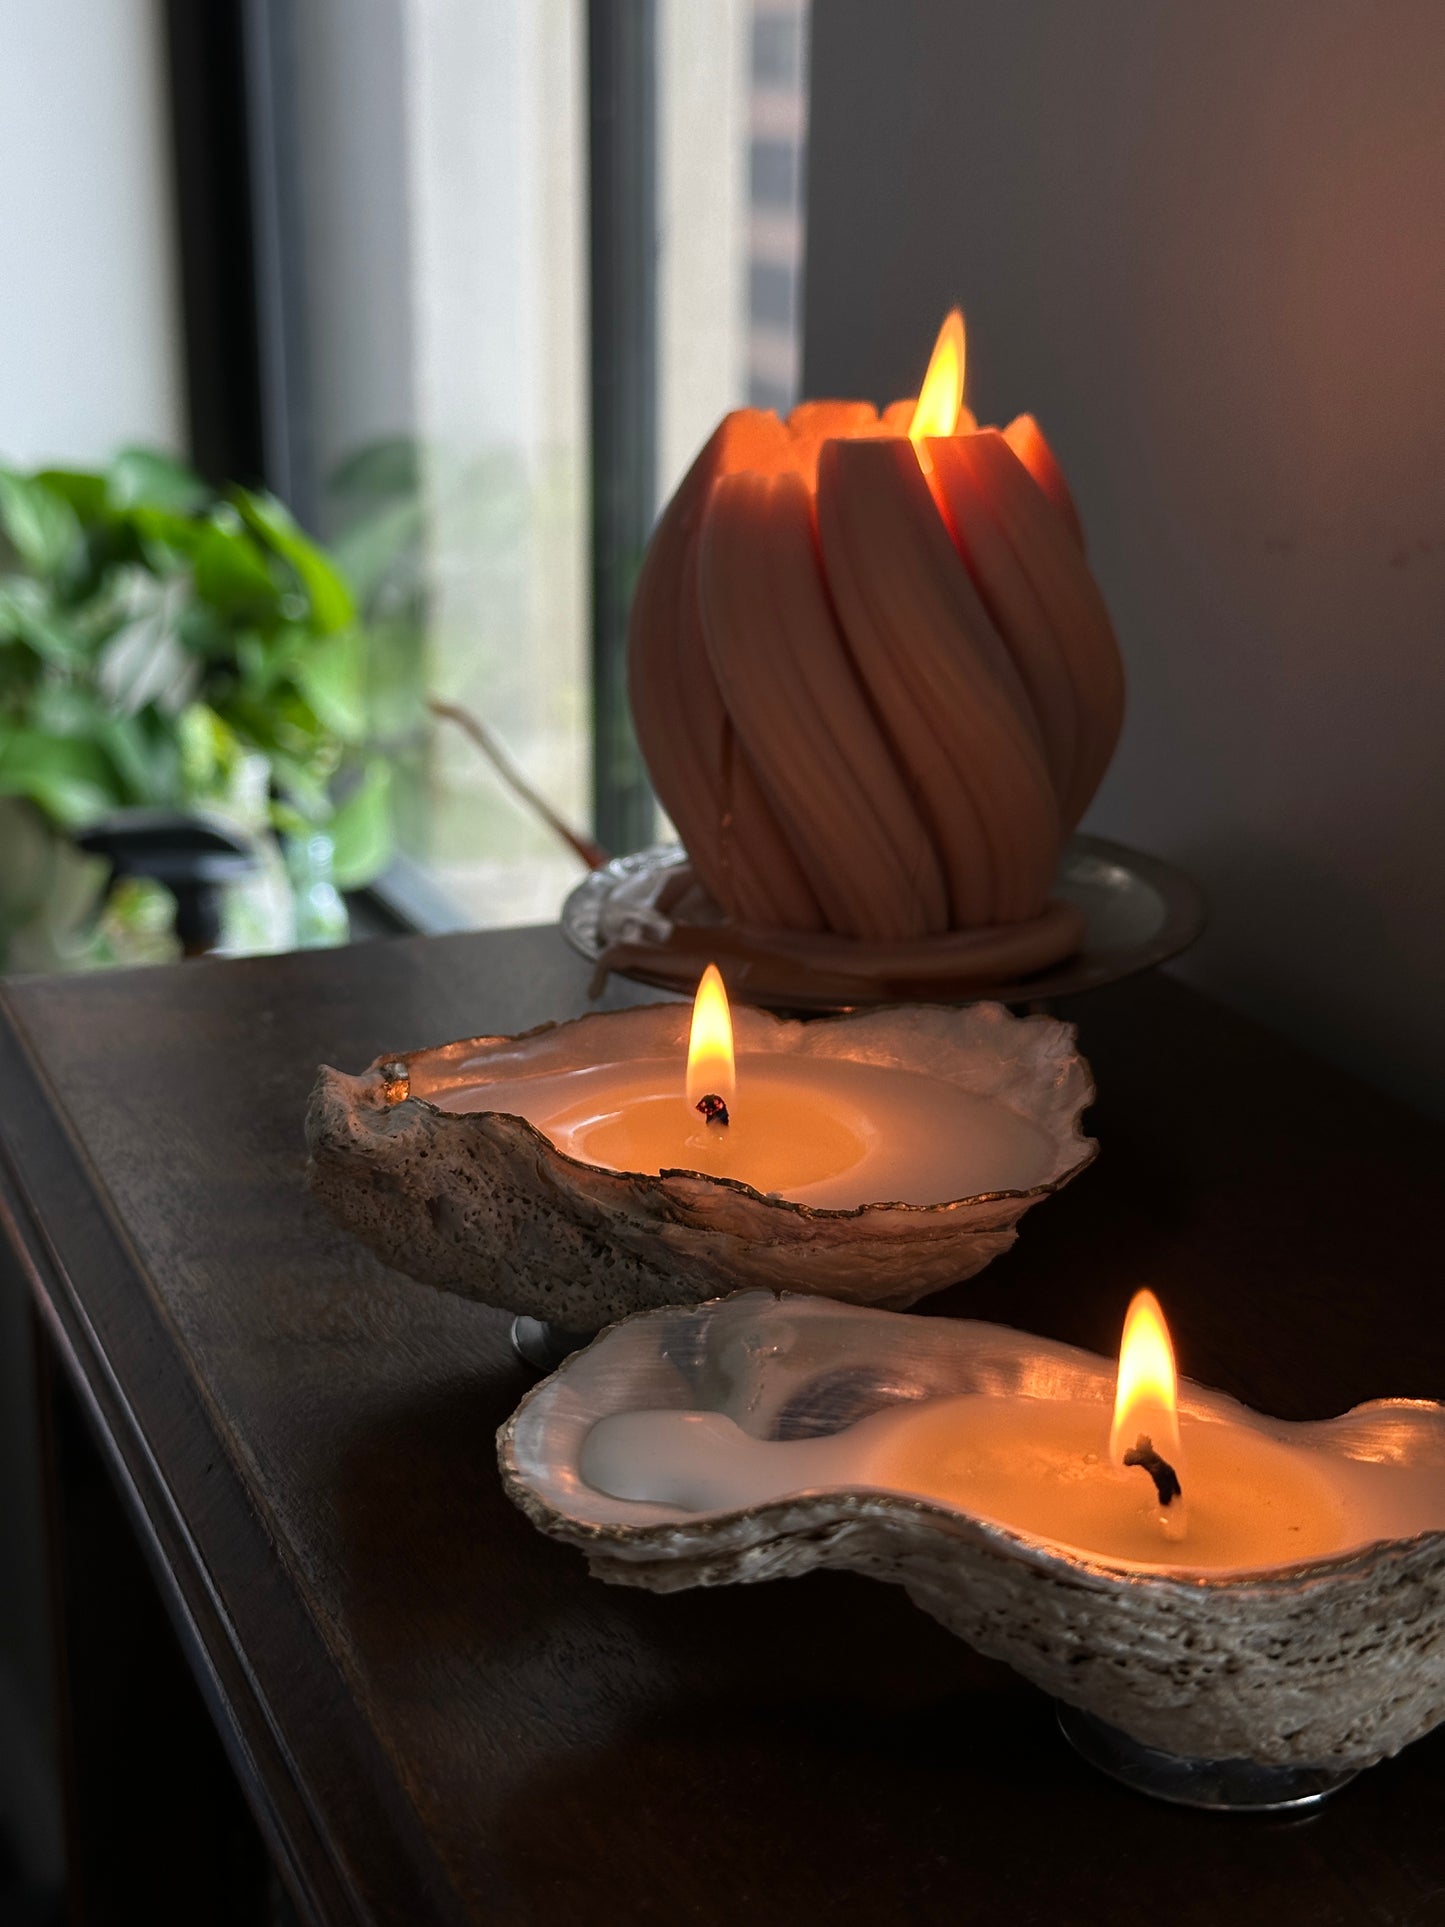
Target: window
x,y
515,258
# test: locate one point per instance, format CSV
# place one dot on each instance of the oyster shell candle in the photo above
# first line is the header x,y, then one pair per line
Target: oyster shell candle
x,y
875,686
656,1156
1273,1595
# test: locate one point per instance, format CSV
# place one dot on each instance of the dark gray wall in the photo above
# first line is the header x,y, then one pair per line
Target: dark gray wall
x,y
1205,245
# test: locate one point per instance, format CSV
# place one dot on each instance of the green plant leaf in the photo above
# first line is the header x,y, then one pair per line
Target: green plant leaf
x,y
206,633
64,707
72,780
258,664
146,757
282,723
144,661
209,751
143,478
167,541
361,830
331,674
84,489
122,589
42,527
331,605
28,614
140,751
231,572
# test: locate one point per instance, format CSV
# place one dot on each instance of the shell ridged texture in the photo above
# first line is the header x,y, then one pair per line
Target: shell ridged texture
x,y
874,701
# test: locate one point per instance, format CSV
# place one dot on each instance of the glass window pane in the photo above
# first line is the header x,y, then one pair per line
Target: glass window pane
x,y
497,108
732,110
442,291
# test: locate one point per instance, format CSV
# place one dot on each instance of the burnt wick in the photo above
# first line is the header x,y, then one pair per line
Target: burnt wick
x,y
713,1109
1166,1479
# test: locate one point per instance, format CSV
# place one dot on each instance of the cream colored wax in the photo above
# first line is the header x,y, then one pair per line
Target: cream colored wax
x,y
822,1131
1039,1467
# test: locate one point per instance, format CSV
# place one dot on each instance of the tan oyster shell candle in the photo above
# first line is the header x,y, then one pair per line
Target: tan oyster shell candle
x,y
1232,1610
876,686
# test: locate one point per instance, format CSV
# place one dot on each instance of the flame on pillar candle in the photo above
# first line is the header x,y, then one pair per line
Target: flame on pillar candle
x,y
1146,1399
710,1071
940,399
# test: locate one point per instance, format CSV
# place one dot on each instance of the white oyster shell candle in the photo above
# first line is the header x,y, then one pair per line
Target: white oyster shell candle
x,y
566,1174
1298,1621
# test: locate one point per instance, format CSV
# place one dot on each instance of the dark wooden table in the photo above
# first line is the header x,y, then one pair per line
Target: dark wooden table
x,y
434,1713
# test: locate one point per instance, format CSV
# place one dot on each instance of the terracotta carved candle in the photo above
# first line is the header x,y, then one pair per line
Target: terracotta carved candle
x,y
876,686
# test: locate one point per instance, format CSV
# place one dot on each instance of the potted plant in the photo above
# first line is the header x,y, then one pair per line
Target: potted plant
x,y
188,654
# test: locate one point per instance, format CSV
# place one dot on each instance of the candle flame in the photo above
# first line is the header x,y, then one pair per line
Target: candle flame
x,y
1146,1400
940,399
710,1071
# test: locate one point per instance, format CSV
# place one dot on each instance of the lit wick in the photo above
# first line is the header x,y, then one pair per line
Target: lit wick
x,y
1147,1394
1166,1479
711,1071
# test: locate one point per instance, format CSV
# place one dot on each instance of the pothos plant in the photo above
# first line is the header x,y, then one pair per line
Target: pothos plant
x,y
162,645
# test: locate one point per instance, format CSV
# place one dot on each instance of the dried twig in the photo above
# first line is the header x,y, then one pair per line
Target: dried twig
x,y
471,726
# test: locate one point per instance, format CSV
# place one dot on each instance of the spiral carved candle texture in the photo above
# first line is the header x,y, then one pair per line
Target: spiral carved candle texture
x,y
876,686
